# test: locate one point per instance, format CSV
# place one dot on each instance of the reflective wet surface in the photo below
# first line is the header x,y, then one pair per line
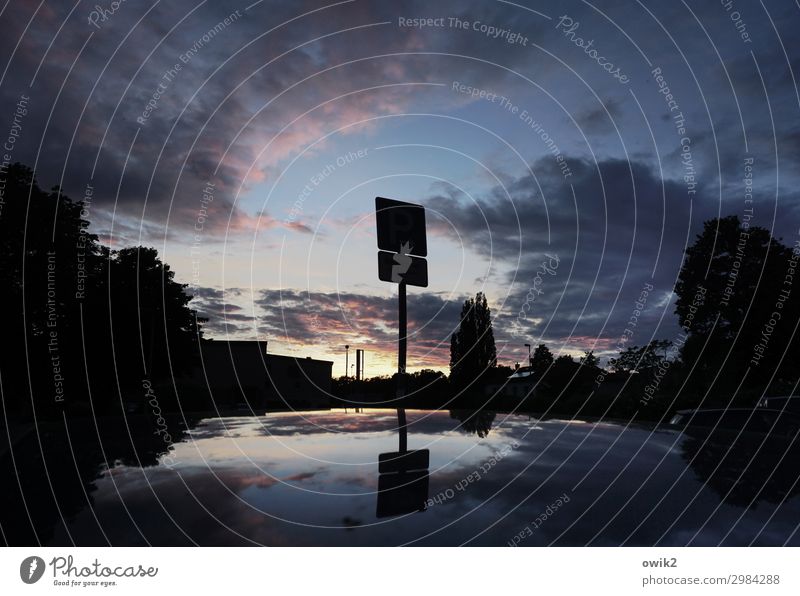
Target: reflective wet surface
x,y
313,479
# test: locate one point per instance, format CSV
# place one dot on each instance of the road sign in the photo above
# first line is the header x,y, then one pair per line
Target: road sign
x,y
401,244
401,227
397,268
403,461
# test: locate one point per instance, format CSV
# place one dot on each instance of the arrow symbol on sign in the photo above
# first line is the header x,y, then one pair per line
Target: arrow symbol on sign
x,y
403,262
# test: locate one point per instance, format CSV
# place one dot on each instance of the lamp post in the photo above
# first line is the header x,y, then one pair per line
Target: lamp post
x,y
529,354
346,360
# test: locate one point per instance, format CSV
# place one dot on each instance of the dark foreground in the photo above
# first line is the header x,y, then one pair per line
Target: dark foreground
x,y
313,479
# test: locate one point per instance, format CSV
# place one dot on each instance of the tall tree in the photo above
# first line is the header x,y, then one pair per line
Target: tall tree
x,y
472,348
150,316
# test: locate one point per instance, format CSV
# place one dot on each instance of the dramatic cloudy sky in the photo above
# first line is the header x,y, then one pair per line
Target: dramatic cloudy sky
x,y
285,121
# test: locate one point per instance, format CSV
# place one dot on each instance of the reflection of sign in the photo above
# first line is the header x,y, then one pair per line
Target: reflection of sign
x,y
403,461
401,226
402,482
399,494
394,268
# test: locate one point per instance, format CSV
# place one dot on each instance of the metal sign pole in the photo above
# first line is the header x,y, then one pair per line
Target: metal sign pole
x,y
402,318
401,364
402,248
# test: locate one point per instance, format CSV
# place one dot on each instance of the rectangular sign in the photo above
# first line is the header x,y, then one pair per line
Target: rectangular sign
x,y
398,268
401,227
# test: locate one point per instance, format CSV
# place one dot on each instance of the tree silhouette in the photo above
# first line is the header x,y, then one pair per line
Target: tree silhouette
x,y
542,359
733,281
474,422
85,320
641,358
472,348
44,252
150,315
589,360
562,373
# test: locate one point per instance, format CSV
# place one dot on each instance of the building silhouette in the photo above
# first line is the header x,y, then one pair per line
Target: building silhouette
x,y
241,372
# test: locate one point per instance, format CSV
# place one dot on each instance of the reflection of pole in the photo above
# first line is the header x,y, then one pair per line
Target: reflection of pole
x,y
401,426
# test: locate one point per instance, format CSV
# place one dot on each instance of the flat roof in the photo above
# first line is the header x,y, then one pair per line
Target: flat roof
x,y
243,342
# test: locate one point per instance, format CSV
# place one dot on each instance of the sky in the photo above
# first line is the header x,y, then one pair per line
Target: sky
x,y
566,155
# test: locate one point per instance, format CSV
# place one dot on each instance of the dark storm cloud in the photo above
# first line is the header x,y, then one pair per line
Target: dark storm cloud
x,y
621,229
199,129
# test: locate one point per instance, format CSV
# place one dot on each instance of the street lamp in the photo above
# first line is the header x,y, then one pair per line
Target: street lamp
x,y
529,354
346,360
